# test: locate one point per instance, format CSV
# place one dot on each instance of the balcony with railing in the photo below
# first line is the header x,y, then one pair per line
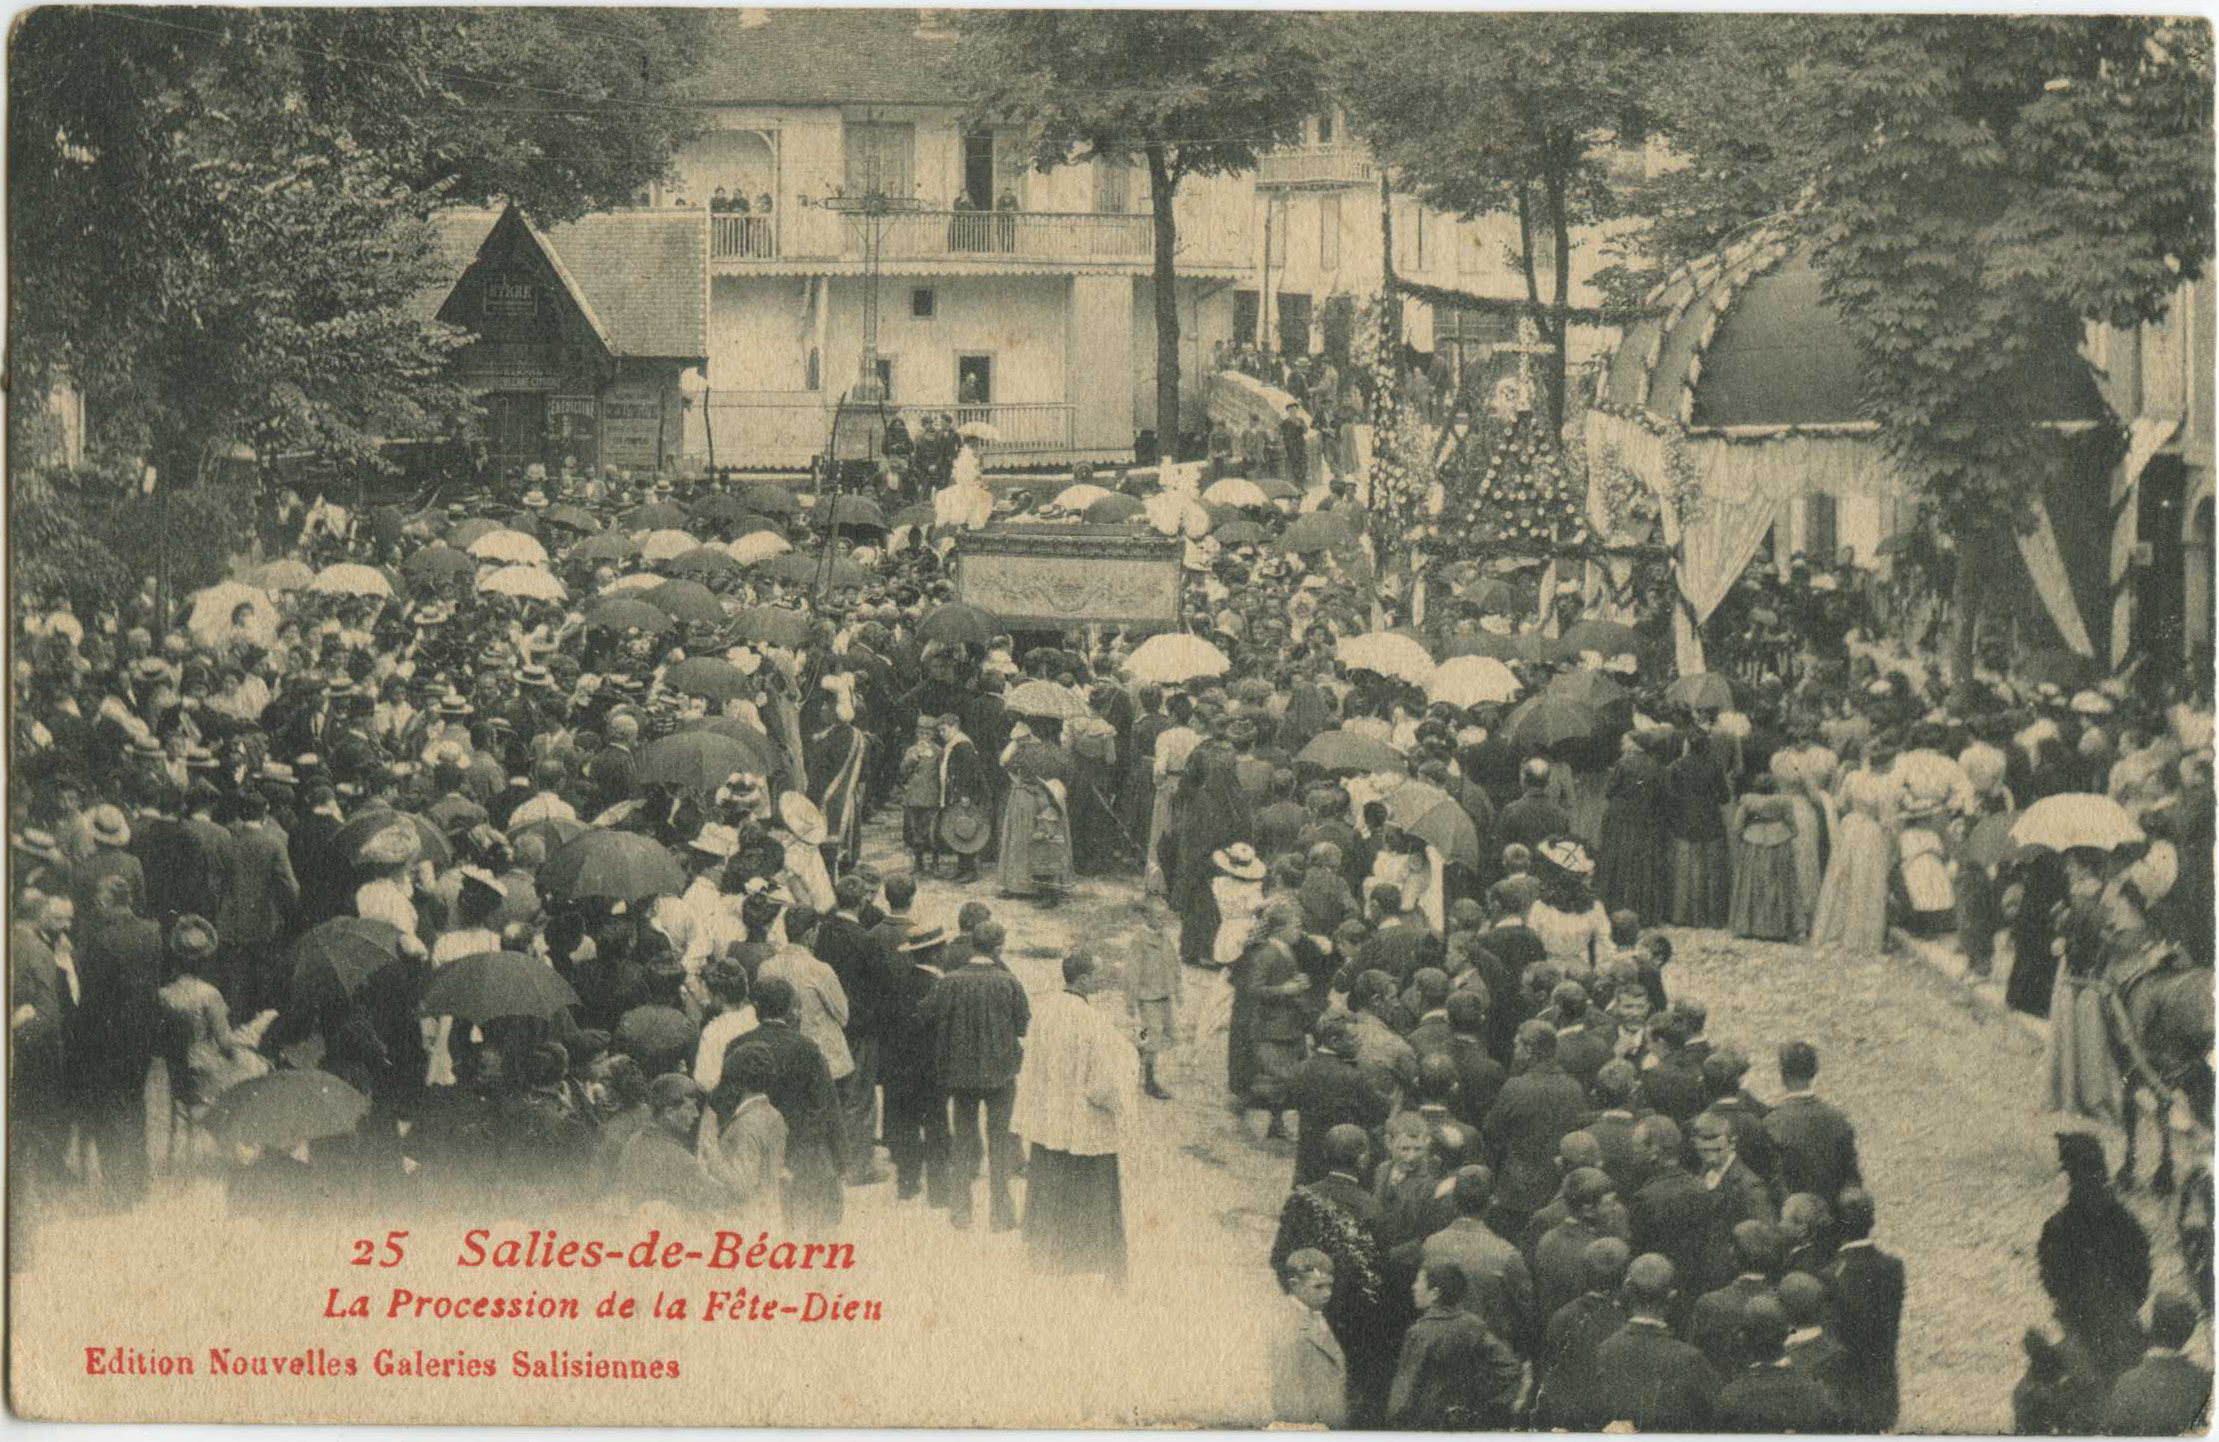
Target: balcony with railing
x,y
785,430
743,237
1316,165
991,238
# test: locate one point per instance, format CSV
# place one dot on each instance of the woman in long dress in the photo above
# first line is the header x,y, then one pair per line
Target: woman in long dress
x,y
1036,817
1571,923
1853,902
1209,812
1766,900
1789,776
1635,870
1695,798
214,1057
2081,1078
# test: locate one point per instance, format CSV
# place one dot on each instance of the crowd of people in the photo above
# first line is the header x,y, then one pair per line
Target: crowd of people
x,y
565,884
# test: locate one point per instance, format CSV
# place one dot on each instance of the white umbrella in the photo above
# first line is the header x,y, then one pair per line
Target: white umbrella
x,y
637,581
1234,491
1170,512
526,581
1045,698
211,622
351,579
1388,654
511,546
758,546
662,545
1078,498
1173,659
1473,681
979,430
285,575
2076,819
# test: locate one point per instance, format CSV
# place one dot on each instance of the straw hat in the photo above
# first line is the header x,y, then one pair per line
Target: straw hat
x,y
1239,861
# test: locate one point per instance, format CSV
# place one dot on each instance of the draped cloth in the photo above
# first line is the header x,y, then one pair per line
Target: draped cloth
x,y
2045,562
1712,551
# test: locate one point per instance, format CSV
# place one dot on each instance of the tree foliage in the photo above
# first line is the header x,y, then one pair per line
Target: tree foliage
x,y
1512,113
1179,92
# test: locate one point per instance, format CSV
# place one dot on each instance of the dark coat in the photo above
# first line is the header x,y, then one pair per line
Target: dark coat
x,y
1623,1158
1326,1091
861,961
268,891
1671,1215
115,1031
1566,1369
1867,1286
1532,1114
1453,1375
801,1089
1531,820
979,1014
1816,1146
1771,1399
1479,1079
324,892
1674,1088
1714,1326
1646,1376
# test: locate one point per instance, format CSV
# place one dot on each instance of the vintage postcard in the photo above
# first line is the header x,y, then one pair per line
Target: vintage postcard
x,y
887,717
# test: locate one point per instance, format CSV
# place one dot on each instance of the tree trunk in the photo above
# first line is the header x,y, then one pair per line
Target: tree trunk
x,y
1558,329
1163,188
1965,616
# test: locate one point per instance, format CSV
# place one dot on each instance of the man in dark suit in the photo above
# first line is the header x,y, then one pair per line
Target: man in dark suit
x,y
1817,1146
1537,1106
1812,1350
1279,823
43,995
1479,1077
1329,1090
1612,1125
1673,1085
323,875
1671,1212
1867,1285
1714,1325
610,774
1560,1256
264,900
1533,818
1769,1395
1737,1196
113,1034
1644,1375
2166,1394
1583,1036
1575,1151
864,967
1565,1369
1723,1093
1336,1215
801,1088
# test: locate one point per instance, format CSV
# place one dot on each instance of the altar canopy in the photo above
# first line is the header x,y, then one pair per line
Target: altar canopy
x,y
1739,393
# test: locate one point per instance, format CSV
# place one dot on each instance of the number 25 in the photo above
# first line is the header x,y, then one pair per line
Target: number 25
x,y
365,1250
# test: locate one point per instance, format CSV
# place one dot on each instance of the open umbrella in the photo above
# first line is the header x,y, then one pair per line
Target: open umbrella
x,y
843,512
687,601
1234,491
771,626
1524,646
979,431
771,500
765,757
613,866
1171,513
349,840
1174,658
571,518
1349,752
662,545
1472,681
1702,691
1544,721
495,984
1073,498
695,760
513,547
1588,688
955,623
720,508
1609,638
710,676
807,568
637,581
1239,533
658,516
2075,819
1045,698
463,534
285,575
351,579
439,562
1318,531
1387,653
216,615
284,1109
556,831
701,561
530,582
332,961
1428,812
758,546
1278,488
1111,509
607,546
626,614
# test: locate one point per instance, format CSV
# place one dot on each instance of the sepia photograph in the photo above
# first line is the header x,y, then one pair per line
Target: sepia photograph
x,y
1426,721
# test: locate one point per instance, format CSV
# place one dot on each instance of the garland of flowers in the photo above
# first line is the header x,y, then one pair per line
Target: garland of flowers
x,y
1402,476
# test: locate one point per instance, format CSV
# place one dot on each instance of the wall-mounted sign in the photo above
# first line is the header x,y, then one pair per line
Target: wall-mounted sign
x,y
631,429
511,298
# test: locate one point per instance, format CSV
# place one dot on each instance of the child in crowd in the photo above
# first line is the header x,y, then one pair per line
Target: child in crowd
x,y
920,797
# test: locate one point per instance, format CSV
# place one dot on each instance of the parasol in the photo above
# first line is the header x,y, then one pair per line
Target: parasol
x,y
1428,812
1173,659
771,626
626,614
657,516
1239,533
285,575
765,757
439,562
1544,721
496,984
286,1108
1318,531
845,511
919,515
662,545
556,831
211,622
574,518
2075,819
702,561
611,865
351,579
464,533
607,546
331,961
1524,646
758,546
807,568
720,507
1607,638
956,623
1350,752
637,581
349,840
696,760
1111,509
687,601
511,546
1702,691
1588,688
1233,491
1472,681
1171,512
771,500
1386,653
1045,698
710,676
527,581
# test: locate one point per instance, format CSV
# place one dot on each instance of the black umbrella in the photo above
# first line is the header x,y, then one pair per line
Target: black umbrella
x,y
611,865
331,961
956,623
495,984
